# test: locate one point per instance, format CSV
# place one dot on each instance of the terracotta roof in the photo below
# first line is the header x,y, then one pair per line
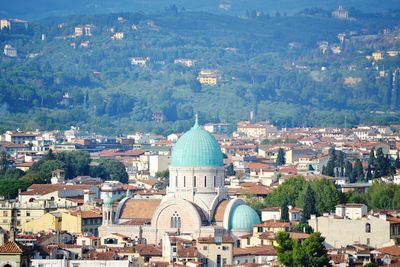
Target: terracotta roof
x,y
139,208
12,145
253,189
118,153
137,221
148,250
392,250
107,255
87,214
298,235
211,239
258,250
43,189
187,252
13,247
338,258
220,211
273,224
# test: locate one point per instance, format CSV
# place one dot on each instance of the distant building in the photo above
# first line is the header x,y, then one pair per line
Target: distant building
x,y
118,36
216,128
139,61
208,77
340,13
185,62
10,51
84,30
377,55
14,24
5,23
255,130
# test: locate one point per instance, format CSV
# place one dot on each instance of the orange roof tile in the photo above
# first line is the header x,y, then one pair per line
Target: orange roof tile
x,y
139,208
13,247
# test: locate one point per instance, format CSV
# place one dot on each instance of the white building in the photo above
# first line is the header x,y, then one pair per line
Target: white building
x,y
352,225
10,51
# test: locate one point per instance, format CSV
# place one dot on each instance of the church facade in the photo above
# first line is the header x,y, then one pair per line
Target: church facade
x,y
196,202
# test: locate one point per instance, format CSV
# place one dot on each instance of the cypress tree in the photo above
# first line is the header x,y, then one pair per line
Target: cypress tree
x,y
348,169
284,212
309,205
280,160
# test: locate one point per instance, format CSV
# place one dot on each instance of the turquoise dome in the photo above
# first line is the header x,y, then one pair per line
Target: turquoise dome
x,y
197,148
243,218
108,201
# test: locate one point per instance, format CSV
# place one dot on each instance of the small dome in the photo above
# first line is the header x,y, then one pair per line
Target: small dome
x,y
243,218
197,148
108,200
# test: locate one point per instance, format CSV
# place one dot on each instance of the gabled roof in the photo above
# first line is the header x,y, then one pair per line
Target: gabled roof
x,y
13,247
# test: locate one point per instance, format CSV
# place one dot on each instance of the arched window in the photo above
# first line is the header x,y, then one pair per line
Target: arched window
x,y
31,199
176,221
368,228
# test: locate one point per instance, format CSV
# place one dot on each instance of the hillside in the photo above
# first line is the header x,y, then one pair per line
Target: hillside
x,y
32,10
273,65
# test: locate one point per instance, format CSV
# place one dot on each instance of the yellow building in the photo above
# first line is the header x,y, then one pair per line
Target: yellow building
x,y
4,23
208,77
214,252
81,222
17,214
46,223
378,55
118,36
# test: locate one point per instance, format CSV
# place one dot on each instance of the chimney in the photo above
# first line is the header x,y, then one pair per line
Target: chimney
x,y
383,216
12,234
2,237
86,196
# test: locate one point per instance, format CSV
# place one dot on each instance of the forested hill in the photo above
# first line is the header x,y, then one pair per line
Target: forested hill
x,y
292,70
44,8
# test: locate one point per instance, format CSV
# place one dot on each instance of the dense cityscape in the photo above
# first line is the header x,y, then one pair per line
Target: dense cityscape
x,y
214,199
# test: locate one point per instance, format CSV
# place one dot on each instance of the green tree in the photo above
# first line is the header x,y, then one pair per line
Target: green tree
x,y
315,251
309,205
348,170
289,191
280,160
326,195
50,155
371,159
3,161
358,172
284,248
311,252
110,170
284,212
230,170
397,161
303,227
9,187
